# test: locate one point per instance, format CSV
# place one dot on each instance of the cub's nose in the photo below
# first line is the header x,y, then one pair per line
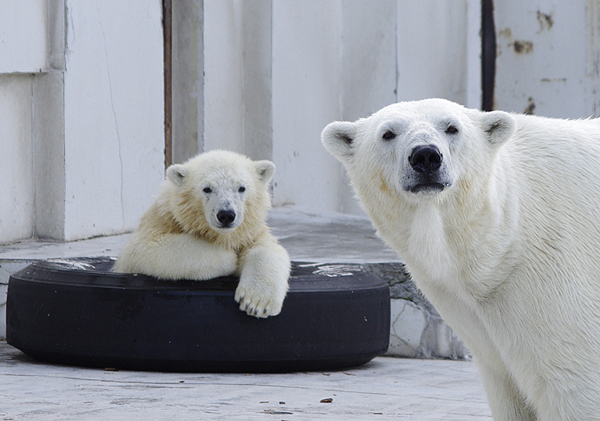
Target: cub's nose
x,y
226,217
425,158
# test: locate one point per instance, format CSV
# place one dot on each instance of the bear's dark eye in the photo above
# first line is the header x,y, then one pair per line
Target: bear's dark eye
x,y
242,189
451,130
207,190
389,135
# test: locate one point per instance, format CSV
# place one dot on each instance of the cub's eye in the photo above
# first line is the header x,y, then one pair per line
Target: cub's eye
x,y
242,189
207,190
451,130
389,135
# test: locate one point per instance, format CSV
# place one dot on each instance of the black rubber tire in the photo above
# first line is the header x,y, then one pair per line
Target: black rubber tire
x,y
76,312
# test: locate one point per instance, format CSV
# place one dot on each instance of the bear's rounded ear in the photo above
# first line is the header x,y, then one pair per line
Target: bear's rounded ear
x,y
265,170
338,138
498,126
176,174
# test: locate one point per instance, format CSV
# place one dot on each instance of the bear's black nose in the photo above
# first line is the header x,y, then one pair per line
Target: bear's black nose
x,y
425,159
226,217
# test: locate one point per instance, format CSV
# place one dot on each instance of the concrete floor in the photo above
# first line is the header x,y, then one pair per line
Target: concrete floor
x,y
385,388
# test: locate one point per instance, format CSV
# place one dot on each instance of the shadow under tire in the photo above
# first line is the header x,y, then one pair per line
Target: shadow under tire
x,y
77,312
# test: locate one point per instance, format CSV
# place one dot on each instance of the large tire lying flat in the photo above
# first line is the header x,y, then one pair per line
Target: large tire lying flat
x,y
76,312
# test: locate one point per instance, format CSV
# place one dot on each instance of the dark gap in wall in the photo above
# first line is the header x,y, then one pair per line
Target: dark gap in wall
x,y
167,50
488,55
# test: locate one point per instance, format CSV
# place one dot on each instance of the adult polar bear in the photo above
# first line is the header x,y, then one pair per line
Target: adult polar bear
x,y
497,217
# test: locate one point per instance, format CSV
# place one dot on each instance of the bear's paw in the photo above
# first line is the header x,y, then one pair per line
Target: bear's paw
x,y
258,301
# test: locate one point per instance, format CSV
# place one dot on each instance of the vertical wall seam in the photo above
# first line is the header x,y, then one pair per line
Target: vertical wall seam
x,y
396,55
167,66
34,189
488,55
271,87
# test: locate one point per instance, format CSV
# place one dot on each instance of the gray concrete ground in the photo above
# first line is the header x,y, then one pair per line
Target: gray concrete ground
x,y
385,388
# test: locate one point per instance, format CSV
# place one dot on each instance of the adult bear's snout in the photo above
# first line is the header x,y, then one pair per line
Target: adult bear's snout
x,y
425,159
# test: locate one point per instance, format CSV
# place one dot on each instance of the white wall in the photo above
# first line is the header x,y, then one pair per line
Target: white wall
x,y
187,95
237,81
262,77
342,60
223,66
23,30
23,50
548,57
16,170
81,116
432,49
306,96
114,118
276,72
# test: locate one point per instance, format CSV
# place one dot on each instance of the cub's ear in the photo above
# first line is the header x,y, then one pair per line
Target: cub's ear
x,y
498,126
265,170
176,174
338,138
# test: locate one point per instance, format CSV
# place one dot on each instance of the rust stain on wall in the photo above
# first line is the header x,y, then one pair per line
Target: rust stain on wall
x,y
546,21
530,109
506,32
523,47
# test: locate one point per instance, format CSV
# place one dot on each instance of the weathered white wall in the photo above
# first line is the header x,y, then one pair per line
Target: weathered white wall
x,y
548,57
223,67
261,77
369,64
341,60
81,116
237,81
23,30
23,50
276,72
306,96
114,114
16,169
432,49
187,97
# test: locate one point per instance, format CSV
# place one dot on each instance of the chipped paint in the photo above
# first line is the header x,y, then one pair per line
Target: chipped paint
x,y
546,21
530,109
522,47
506,32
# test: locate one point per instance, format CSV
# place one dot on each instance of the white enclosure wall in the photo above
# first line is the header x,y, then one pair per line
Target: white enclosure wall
x,y
16,171
114,119
81,116
237,77
439,50
81,90
23,51
548,60
82,95
276,72
306,96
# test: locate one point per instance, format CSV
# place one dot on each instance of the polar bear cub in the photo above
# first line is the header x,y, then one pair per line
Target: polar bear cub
x,y
497,217
208,221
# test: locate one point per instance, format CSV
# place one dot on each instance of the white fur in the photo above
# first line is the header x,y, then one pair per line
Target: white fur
x,y
508,252
182,237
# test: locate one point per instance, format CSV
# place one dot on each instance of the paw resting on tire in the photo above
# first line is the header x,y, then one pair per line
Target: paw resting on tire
x,y
259,302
